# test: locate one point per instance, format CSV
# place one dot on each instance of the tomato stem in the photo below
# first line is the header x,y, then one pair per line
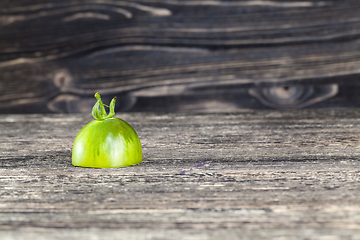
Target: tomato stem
x,y
99,112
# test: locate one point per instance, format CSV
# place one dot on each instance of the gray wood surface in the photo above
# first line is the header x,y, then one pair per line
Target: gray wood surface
x,y
252,175
178,55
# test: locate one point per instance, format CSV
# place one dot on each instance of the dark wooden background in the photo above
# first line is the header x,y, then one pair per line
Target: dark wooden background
x,y
176,56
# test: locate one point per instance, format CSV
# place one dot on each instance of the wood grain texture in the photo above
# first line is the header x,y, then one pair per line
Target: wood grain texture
x,y
176,56
251,175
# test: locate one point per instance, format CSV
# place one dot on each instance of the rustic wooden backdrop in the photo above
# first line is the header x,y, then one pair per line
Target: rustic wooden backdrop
x,y
172,55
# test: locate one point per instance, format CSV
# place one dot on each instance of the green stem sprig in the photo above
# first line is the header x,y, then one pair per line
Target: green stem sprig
x,y
99,112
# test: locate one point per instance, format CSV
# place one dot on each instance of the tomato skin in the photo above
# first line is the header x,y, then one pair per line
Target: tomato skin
x,y
107,143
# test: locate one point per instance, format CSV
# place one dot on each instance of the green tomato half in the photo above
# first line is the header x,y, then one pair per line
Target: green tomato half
x,y
106,142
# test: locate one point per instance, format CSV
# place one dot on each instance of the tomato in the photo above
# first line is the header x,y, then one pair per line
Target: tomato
x,y
106,142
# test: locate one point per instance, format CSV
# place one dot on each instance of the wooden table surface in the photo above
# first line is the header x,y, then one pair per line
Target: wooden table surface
x,y
251,175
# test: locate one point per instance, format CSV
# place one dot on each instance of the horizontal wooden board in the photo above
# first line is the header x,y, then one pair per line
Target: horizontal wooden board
x,y
176,56
251,175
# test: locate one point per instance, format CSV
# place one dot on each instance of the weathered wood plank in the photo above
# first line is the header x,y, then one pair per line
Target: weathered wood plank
x,y
170,55
273,174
